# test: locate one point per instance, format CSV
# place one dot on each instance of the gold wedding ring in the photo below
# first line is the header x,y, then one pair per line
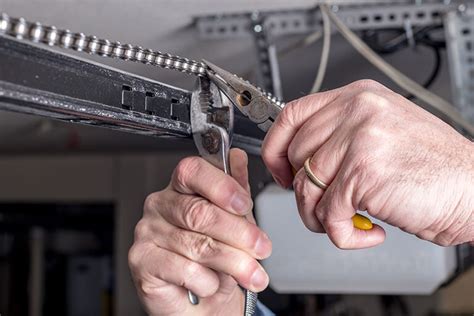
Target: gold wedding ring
x,y
307,169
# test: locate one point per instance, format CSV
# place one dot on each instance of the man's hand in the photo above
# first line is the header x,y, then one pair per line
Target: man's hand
x,y
199,234
378,152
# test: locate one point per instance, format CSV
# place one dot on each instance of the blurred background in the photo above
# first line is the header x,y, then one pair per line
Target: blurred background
x,y
70,195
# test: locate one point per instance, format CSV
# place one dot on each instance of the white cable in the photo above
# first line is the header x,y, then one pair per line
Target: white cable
x,y
399,78
324,53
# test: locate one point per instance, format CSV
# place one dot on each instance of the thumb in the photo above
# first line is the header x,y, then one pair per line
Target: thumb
x,y
239,167
335,211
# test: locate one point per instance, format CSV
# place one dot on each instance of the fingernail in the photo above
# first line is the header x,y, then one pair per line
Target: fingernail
x,y
241,203
262,246
259,279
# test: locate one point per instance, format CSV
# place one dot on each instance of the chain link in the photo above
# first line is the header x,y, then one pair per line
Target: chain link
x,y
52,36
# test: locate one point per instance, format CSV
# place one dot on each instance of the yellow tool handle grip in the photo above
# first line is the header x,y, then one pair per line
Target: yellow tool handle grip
x,y
359,221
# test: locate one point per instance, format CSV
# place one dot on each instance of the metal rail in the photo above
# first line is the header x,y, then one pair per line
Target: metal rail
x,y
43,82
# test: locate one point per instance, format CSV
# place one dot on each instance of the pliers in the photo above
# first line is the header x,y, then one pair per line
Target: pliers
x,y
212,122
259,107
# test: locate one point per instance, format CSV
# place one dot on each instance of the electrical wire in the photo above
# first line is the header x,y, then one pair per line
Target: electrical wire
x,y
434,73
421,37
436,102
325,52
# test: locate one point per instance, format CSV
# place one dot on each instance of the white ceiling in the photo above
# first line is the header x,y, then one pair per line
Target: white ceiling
x,y
166,26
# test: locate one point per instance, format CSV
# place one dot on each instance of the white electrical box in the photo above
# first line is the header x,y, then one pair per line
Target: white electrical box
x,y
306,262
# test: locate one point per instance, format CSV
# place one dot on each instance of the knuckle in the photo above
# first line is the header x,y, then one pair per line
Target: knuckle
x,y
303,190
371,103
443,242
253,236
179,237
295,155
204,247
244,269
223,187
373,134
186,169
324,219
150,203
267,155
142,230
191,270
366,84
364,99
286,115
340,240
310,226
149,290
199,215
298,184
250,235
290,113
135,254
340,243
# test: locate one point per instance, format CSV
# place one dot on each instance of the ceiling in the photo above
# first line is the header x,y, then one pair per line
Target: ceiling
x,y
167,26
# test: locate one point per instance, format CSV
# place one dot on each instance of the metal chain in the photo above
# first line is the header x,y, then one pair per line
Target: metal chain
x,y
52,36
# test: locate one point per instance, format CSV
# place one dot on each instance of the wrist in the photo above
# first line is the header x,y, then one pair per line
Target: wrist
x,y
464,211
470,194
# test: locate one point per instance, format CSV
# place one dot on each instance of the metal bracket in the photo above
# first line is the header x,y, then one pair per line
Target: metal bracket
x,y
268,25
459,28
303,21
269,70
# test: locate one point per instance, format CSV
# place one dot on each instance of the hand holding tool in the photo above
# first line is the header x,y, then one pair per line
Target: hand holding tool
x,y
260,107
212,122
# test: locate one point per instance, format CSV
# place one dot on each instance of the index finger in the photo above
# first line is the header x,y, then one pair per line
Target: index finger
x,y
278,138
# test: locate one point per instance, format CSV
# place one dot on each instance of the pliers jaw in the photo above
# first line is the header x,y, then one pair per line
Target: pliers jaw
x,y
212,120
260,107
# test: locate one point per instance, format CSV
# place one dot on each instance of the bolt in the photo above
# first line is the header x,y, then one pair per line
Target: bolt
x,y
211,141
462,8
257,28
